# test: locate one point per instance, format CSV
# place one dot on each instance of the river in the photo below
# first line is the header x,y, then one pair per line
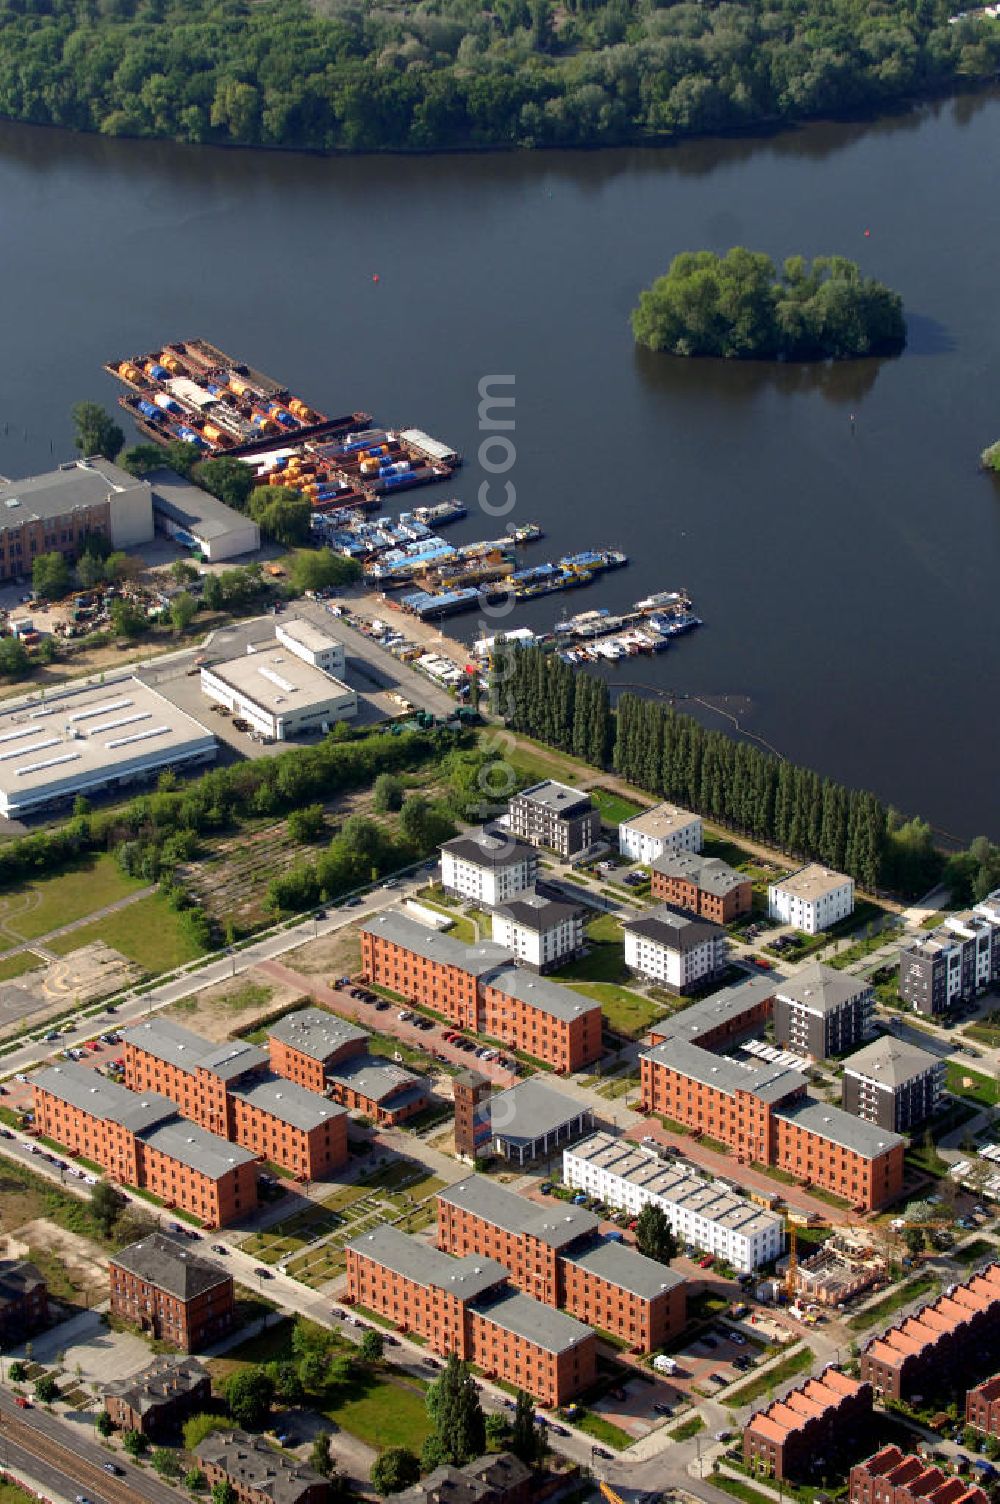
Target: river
x,y
847,574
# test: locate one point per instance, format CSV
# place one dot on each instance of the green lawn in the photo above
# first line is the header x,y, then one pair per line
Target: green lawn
x,y
740,1490
606,959
687,1429
627,1012
986,1030
602,1429
381,1413
614,808
899,1296
979,1248
16,966
963,1081
148,932
34,909
795,1363
11,1494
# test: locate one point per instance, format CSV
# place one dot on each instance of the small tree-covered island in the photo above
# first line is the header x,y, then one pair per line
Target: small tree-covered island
x,y
738,307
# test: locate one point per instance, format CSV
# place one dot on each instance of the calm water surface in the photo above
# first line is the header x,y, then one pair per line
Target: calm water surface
x,y
848,578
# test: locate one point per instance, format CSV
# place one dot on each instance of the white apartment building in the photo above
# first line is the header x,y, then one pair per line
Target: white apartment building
x,y
662,830
673,949
312,644
488,867
811,899
541,932
701,1212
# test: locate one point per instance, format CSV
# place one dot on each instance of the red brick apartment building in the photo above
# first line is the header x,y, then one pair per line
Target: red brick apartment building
x,y
158,1399
895,1477
702,885
24,1301
946,1344
982,1406
554,1254
477,987
763,1111
141,1141
173,1294
324,1053
466,1306
229,1090
808,1433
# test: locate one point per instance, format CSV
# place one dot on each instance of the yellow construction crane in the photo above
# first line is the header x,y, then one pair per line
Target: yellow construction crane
x,y
609,1492
794,1228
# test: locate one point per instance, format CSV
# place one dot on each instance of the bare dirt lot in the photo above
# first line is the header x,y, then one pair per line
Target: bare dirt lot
x,y
233,1006
82,976
75,1269
336,955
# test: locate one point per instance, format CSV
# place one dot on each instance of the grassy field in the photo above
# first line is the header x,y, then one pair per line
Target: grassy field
x,y
382,1413
899,1296
36,908
602,1429
795,1363
986,1030
148,932
962,1081
11,1494
740,1490
606,959
614,808
979,1248
16,966
627,1012
687,1428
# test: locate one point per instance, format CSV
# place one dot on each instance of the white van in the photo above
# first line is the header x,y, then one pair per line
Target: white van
x,y
663,1364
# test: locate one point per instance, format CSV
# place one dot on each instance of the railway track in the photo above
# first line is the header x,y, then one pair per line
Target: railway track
x,y
84,1473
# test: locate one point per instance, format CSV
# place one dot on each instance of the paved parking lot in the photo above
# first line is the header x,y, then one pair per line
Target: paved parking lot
x,y
85,1341
18,1094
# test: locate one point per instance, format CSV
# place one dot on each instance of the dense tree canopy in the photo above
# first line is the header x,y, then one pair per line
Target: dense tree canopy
x,y
442,73
737,306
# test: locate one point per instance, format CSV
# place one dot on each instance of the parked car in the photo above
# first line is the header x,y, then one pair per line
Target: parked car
x,y
263,1273
113,1469
219,1248
662,1409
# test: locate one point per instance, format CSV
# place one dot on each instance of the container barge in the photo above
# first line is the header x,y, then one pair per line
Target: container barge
x,y
523,584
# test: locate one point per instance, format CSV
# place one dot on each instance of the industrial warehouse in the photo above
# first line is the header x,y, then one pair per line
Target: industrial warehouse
x,y
100,737
280,693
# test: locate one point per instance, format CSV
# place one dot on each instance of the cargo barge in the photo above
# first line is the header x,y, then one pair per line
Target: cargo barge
x,y
569,572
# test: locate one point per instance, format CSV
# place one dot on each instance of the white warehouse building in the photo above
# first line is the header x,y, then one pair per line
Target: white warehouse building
x,y
811,899
628,1177
280,694
661,831
488,866
85,740
312,644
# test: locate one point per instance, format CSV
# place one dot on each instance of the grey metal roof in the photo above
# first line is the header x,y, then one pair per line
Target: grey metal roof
x,y
530,1109
254,1466
78,483
537,912
675,930
83,1088
161,1382
557,797
407,1256
770,1083
476,960
289,1102
554,998
491,847
552,1330
726,1006
557,1224
628,1268
674,1182
171,1266
891,1062
375,1078
840,1127
709,873
189,1051
195,1147
198,511
822,989
316,1032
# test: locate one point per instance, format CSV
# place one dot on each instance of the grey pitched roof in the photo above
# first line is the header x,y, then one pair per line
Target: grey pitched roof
x,y
822,989
537,912
726,1006
891,1062
316,1032
709,873
771,1083
253,1465
18,1278
82,1087
476,960
530,1109
160,1382
673,929
840,1127
189,1051
491,848
171,1266
552,1330
628,1268
289,1102
195,1147
466,1277
554,998
377,1079
556,1224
